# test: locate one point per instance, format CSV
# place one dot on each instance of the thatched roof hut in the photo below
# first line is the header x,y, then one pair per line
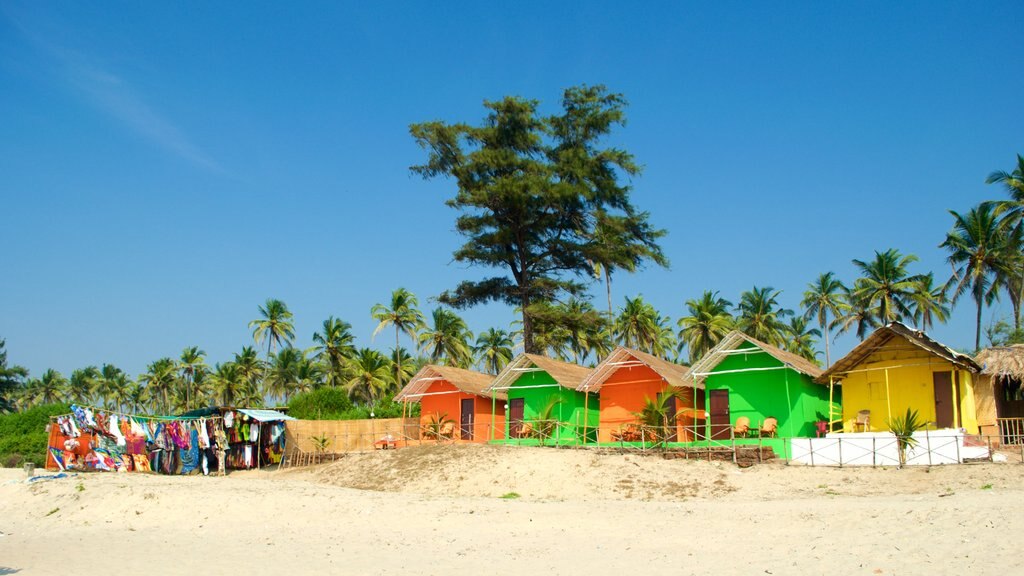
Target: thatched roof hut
x,y
1002,361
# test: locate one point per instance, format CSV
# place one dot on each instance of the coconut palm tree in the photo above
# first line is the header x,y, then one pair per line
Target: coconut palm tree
x,y
447,341
623,243
857,315
929,303
135,396
190,364
283,373
1011,213
50,388
82,383
161,379
638,325
885,286
250,368
371,379
404,316
761,316
707,322
12,379
825,297
227,383
977,253
800,339
335,346
274,325
110,385
493,350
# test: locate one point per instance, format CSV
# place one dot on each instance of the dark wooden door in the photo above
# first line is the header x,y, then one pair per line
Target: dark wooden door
x,y
720,421
466,418
670,414
942,383
515,415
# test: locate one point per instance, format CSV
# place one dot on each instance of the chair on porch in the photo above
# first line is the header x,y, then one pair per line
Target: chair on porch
x,y
770,427
863,420
742,427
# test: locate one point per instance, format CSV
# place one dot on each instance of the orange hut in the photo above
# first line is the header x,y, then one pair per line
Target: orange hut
x,y
454,404
627,379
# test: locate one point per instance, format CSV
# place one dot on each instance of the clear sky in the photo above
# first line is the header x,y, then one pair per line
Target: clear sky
x,y
166,167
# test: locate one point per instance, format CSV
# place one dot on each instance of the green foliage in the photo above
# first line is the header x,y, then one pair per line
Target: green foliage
x,y
321,442
435,425
546,418
320,404
510,496
1003,334
904,427
529,188
24,434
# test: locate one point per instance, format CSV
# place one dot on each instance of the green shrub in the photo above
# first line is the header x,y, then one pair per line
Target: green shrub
x,y
23,435
334,404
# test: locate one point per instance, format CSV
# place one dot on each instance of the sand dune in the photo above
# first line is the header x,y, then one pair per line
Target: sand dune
x,y
438,510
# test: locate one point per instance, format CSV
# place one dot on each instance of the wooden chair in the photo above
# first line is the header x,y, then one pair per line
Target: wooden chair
x,y
525,430
742,427
770,427
448,430
863,420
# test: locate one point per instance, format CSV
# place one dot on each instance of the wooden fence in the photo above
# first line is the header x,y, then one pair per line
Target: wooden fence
x,y
347,435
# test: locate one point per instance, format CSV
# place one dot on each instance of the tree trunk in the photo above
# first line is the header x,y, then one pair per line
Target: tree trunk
x,y
398,361
977,328
828,360
608,286
528,346
1016,308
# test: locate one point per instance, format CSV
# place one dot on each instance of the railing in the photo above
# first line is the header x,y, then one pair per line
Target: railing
x,y
1011,431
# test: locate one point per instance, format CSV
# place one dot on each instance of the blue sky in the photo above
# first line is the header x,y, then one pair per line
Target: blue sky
x,y
167,167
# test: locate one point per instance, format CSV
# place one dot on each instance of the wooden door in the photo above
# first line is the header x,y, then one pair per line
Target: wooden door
x,y
515,415
720,420
942,384
670,413
466,417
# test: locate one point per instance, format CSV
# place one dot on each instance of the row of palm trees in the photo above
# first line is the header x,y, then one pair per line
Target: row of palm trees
x,y
984,247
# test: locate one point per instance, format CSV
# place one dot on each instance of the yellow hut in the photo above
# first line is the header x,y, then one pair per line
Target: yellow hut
x,y
897,368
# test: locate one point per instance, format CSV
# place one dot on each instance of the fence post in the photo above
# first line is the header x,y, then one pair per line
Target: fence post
x,y
840,447
989,438
928,446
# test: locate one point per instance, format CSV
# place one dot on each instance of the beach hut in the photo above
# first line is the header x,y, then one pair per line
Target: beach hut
x,y
454,404
746,378
627,380
898,367
999,394
543,404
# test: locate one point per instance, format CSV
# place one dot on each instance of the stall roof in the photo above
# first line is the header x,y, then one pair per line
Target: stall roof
x,y
265,415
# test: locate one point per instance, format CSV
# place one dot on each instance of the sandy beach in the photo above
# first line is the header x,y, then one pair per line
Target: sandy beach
x,y
440,510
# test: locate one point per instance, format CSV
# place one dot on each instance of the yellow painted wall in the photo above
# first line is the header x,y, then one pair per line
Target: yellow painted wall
x,y
910,386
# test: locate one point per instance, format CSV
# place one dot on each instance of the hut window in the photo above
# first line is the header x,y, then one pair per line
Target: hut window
x,y
1012,390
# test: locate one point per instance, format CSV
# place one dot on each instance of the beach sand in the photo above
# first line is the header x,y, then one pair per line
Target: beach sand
x,y
439,510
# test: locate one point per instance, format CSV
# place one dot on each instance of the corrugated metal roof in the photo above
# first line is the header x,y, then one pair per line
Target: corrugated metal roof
x,y
265,415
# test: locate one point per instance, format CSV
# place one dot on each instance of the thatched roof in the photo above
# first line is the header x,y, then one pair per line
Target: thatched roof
x,y
672,374
733,340
468,381
1002,361
567,375
879,338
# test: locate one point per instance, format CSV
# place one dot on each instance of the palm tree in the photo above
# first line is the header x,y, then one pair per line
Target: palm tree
x,y
48,389
250,368
447,342
191,362
638,325
976,248
706,324
622,242
227,383
1011,212
929,303
283,373
335,346
82,383
12,379
800,340
760,315
161,379
134,396
857,314
310,375
275,325
372,376
404,315
110,385
885,286
493,350
825,297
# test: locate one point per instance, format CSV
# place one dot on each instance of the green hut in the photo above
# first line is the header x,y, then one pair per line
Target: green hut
x,y
747,378
543,406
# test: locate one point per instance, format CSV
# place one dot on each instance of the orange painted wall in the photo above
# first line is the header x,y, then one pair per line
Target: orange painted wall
x,y
451,405
625,392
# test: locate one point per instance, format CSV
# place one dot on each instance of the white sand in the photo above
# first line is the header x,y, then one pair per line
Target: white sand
x,y
436,510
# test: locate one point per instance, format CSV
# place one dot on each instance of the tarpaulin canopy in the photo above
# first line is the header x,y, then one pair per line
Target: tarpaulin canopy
x,y
265,415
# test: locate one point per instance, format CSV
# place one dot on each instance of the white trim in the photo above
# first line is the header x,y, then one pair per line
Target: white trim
x,y
783,367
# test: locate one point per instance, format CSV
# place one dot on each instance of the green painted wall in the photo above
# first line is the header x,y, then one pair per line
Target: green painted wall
x,y
570,413
762,394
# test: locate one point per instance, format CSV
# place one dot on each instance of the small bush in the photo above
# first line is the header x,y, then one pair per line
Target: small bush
x,y
334,404
23,435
